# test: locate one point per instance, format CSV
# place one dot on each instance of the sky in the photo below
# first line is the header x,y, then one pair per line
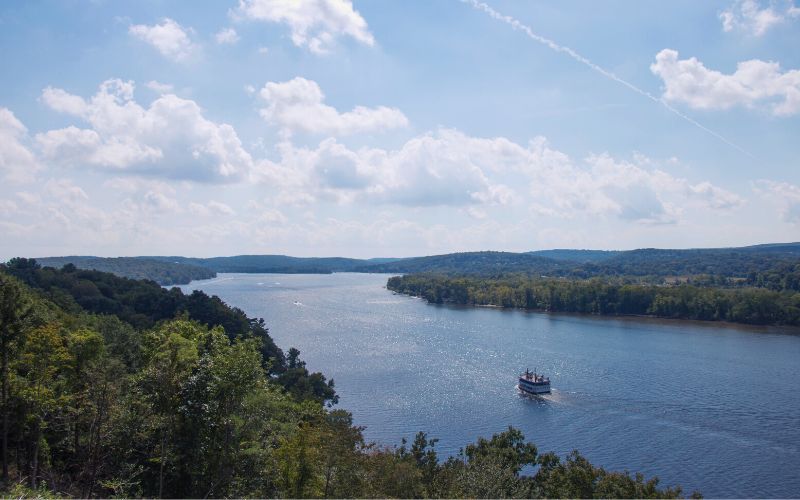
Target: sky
x,y
393,129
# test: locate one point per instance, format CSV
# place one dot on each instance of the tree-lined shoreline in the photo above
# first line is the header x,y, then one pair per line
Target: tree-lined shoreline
x,y
608,297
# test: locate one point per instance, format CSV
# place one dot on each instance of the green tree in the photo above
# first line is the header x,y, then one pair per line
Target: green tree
x,y
15,307
42,367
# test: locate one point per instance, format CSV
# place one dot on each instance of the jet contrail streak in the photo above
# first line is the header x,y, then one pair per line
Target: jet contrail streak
x,y
517,25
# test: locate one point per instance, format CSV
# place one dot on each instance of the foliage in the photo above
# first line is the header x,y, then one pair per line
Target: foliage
x,y
776,267
270,264
160,271
142,304
607,296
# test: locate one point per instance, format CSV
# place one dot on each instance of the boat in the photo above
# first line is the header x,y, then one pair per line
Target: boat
x,y
534,383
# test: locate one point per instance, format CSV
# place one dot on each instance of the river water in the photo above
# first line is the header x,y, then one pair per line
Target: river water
x,y
710,407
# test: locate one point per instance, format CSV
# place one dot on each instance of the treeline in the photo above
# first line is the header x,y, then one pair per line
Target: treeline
x,y
781,276
605,296
745,263
773,268
282,264
142,304
162,272
97,406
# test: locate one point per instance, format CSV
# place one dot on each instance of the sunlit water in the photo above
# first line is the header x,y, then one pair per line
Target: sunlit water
x,y
710,407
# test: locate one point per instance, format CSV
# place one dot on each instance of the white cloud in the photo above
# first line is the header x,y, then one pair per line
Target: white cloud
x,y
754,18
161,202
62,101
227,36
637,191
448,168
298,105
429,170
716,197
169,38
264,215
8,208
158,87
754,83
65,192
17,163
211,208
315,24
786,195
170,138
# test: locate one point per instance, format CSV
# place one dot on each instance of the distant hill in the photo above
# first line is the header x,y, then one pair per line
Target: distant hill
x,y
741,262
470,263
726,262
713,261
576,255
162,272
271,264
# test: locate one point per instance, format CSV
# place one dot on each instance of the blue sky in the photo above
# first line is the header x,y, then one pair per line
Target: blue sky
x,y
330,127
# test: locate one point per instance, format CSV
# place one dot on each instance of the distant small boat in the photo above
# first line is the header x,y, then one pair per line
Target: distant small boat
x,y
297,303
533,383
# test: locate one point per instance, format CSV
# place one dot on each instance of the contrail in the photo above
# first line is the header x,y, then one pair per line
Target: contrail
x,y
517,25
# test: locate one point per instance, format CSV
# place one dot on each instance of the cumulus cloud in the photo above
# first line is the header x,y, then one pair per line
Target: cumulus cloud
x,y
755,83
298,105
715,197
430,170
169,138
634,190
65,191
17,163
450,168
8,208
62,101
168,37
786,195
227,36
756,18
264,215
314,24
211,208
62,217
160,202
158,87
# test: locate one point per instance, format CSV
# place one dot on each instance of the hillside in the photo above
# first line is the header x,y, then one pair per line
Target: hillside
x,y
162,272
577,255
270,264
741,263
471,263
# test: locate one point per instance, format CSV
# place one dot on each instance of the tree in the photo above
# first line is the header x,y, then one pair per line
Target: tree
x,y
15,307
172,353
42,367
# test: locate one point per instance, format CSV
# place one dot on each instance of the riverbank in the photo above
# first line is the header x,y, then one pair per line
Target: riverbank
x,y
751,306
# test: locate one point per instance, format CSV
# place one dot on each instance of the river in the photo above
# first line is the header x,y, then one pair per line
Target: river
x,y
710,407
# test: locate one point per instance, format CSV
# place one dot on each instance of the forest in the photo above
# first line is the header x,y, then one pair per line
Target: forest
x,y
162,272
747,266
775,302
113,387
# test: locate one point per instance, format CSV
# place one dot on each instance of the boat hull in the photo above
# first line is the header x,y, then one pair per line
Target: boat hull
x,y
534,387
